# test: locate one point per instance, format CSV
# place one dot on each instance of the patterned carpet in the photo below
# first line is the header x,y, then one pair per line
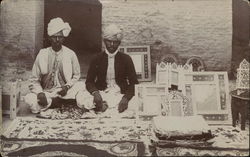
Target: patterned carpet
x,y
179,151
49,148
77,130
112,137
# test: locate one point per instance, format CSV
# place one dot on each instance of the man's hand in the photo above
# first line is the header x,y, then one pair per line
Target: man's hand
x,y
42,100
98,101
64,90
123,105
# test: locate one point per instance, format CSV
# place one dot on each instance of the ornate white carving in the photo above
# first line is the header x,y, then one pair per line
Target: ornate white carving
x,y
197,63
242,81
172,74
178,105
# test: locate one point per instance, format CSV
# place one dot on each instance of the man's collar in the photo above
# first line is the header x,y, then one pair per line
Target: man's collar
x,y
54,52
111,55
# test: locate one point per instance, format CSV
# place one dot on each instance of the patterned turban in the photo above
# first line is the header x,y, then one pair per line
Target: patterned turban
x,y
56,25
112,32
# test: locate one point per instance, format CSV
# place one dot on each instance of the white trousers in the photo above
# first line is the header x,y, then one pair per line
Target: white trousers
x,y
111,96
75,92
83,98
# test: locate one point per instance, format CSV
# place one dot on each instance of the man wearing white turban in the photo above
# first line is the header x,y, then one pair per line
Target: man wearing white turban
x,y
111,76
56,71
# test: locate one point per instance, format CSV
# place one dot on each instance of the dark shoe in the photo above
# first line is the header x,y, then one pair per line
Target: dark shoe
x,y
42,100
102,108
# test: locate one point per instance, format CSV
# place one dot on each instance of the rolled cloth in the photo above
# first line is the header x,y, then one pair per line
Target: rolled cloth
x,y
56,25
113,32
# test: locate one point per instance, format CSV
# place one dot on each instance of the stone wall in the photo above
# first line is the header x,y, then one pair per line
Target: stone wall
x,y
21,35
185,27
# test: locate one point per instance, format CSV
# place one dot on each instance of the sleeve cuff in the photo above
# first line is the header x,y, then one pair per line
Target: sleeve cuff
x,y
92,93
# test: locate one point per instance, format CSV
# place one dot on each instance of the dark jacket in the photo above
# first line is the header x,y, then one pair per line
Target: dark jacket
x,y
125,75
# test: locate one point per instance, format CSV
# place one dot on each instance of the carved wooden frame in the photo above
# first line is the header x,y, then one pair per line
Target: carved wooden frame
x,y
213,80
144,94
177,97
162,70
10,98
242,81
144,52
171,70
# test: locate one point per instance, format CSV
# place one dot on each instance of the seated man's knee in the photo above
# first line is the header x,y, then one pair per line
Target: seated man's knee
x,y
84,100
31,100
80,104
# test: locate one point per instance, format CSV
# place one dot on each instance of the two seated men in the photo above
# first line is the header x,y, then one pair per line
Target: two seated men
x,y
110,82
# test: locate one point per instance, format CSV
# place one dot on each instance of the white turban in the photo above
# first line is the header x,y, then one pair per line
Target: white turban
x,y
112,32
56,25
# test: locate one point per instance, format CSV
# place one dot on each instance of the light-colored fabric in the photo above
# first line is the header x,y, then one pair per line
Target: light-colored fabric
x,y
56,25
75,92
67,72
113,32
31,100
68,66
111,95
83,98
111,55
111,69
180,126
55,69
111,72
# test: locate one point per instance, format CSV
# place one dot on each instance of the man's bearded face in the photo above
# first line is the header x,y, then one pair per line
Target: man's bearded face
x,y
112,45
56,41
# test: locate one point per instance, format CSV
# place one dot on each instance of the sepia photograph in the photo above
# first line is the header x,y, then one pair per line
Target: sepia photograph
x,y
93,78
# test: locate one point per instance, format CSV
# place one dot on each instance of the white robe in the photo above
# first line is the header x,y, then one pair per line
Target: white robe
x,y
43,65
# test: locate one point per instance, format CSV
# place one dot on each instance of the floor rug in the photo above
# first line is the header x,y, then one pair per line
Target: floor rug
x,y
180,151
225,137
73,149
76,130
111,137
29,136
227,141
